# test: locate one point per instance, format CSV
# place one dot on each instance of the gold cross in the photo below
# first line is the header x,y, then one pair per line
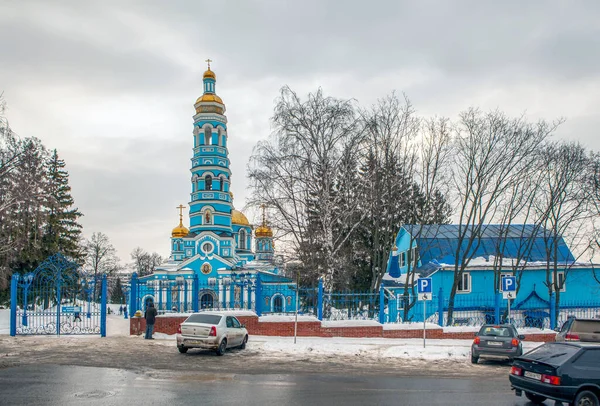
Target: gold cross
x,y
208,61
263,206
180,207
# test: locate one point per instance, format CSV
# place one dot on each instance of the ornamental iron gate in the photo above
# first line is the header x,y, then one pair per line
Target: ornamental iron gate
x,y
57,299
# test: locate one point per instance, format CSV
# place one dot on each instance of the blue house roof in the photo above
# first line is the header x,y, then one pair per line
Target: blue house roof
x,y
439,243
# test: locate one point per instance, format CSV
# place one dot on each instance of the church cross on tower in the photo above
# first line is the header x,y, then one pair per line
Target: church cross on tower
x,y
208,61
180,207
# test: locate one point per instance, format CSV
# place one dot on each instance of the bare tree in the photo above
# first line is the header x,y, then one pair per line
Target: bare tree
x,y
491,152
100,257
295,173
145,263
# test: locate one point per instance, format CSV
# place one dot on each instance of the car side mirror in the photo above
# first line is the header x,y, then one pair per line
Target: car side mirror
x,y
243,326
521,337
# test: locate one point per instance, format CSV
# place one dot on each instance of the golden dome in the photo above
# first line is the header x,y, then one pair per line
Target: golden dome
x,y
237,217
209,97
264,231
209,74
179,231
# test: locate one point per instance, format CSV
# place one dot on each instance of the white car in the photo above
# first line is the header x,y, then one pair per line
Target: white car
x,y
211,331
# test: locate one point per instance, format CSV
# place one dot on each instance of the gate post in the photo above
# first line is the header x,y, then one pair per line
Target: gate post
x,y
258,296
103,304
497,307
133,295
320,301
13,304
195,289
441,308
381,305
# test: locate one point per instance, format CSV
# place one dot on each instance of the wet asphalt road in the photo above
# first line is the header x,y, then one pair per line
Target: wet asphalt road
x,y
75,385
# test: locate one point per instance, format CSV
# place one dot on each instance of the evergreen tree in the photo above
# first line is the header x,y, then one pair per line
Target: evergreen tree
x,y
62,231
117,295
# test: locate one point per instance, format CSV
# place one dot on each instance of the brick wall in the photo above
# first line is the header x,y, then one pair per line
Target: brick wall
x,y
168,325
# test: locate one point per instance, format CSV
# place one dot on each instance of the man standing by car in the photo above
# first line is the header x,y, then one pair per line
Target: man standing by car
x,y
150,317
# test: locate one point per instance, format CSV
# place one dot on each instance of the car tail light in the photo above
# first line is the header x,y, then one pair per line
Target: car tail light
x,y
477,340
213,332
515,342
516,371
179,329
551,379
572,337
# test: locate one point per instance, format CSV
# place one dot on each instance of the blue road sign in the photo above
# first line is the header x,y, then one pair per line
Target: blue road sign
x,y
509,283
424,285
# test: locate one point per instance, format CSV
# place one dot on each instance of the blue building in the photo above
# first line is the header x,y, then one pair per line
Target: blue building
x,y
543,267
213,261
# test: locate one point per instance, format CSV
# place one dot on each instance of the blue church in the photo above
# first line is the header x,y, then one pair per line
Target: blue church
x,y
520,250
212,261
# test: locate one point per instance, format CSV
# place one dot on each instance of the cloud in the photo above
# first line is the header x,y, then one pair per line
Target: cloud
x,y
112,84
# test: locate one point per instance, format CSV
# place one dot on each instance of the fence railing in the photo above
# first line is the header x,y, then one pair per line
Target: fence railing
x,y
386,306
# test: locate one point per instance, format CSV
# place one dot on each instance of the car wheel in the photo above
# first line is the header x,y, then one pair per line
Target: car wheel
x,y
182,349
537,399
244,341
474,359
222,347
586,398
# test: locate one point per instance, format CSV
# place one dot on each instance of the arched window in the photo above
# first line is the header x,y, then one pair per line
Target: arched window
x,y
208,182
242,239
207,217
222,182
207,136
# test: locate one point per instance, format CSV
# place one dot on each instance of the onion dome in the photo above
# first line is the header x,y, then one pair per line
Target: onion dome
x,y
180,231
209,74
263,230
237,217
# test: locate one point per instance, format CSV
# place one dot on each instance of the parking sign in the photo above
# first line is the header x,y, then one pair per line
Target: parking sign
x,y
509,287
424,288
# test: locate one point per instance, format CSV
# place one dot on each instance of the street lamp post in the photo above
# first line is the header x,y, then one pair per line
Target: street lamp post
x,y
26,283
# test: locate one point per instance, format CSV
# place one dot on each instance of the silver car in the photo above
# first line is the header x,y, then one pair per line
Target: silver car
x,y
211,331
497,341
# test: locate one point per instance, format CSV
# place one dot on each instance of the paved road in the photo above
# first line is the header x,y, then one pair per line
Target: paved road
x,y
74,385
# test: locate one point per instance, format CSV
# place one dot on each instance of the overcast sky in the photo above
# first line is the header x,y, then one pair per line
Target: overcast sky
x,y
111,84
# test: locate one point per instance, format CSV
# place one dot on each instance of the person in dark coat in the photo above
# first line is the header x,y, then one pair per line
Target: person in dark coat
x,y
150,317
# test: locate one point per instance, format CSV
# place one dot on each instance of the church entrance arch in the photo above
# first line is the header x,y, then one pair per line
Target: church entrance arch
x,y
207,299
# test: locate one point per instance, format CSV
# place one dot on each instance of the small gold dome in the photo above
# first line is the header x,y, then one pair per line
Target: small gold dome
x,y
179,231
237,217
209,74
263,231
209,97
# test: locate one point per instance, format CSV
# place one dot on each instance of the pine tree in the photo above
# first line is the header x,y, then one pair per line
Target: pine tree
x,y
62,231
116,294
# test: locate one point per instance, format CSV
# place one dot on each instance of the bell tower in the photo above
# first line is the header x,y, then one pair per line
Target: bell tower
x,y
210,205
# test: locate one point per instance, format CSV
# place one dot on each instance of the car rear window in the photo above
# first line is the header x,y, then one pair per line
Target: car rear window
x,y
586,326
553,354
496,331
204,318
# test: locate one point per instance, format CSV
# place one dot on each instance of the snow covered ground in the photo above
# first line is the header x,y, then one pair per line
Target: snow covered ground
x,y
284,347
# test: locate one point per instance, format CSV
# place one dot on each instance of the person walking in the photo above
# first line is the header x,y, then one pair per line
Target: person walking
x,y
120,310
150,317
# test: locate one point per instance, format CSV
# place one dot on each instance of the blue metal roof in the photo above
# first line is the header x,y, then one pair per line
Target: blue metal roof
x,y
439,242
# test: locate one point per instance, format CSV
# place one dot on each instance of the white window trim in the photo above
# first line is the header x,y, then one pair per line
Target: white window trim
x,y
468,275
509,273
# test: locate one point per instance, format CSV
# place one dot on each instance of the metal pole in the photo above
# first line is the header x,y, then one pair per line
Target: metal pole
x,y
424,315
296,319
508,312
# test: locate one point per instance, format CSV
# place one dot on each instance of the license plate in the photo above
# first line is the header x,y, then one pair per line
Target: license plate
x,y
532,375
495,343
193,342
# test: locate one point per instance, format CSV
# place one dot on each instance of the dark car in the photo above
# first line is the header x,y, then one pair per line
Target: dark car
x,y
496,341
575,329
567,372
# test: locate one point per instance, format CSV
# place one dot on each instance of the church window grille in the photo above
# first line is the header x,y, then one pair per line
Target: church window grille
x,y
242,238
222,183
207,247
208,182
